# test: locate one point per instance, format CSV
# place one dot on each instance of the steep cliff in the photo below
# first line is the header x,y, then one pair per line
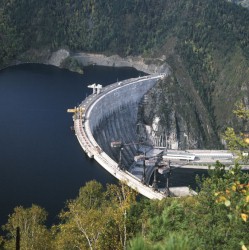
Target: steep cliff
x,y
173,114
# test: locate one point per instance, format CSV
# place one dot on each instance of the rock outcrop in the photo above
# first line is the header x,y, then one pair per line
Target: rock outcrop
x,y
150,67
58,57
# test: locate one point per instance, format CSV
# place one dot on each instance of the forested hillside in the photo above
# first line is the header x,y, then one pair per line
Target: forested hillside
x,y
111,218
209,38
124,27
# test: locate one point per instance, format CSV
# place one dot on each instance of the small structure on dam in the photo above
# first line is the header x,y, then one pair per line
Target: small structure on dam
x,y
110,115
96,88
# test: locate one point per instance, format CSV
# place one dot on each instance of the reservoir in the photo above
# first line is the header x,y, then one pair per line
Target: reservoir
x,y
41,161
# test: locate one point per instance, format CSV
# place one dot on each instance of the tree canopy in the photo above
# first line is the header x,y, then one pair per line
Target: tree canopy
x,y
112,218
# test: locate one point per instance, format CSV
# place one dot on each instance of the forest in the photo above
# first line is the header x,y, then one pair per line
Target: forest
x,y
123,27
114,218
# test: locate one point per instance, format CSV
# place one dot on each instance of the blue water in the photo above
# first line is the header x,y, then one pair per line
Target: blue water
x,y
41,161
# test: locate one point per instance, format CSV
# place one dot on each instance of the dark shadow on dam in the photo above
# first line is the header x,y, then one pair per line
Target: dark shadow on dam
x,y
119,125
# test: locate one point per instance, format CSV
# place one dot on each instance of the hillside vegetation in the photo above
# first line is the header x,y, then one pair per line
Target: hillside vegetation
x,y
111,218
209,39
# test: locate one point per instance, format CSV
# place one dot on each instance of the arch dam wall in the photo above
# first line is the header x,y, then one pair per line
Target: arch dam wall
x,y
114,117
111,115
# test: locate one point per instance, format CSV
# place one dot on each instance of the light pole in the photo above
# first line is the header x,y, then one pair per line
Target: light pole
x,y
120,158
144,176
186,140
154,184
119,145
167,192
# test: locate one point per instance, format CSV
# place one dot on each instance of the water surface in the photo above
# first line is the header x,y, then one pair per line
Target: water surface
x,y
41,161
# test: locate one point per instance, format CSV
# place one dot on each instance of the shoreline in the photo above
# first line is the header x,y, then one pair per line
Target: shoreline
x,y
149,66
75,61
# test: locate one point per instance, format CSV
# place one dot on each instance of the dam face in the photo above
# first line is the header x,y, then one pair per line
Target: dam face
x,y
108,115
114,118
119,126
119,95
111,115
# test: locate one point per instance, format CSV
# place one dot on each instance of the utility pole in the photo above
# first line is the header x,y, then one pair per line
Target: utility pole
x,y
120,158
144,177
167,180
186,140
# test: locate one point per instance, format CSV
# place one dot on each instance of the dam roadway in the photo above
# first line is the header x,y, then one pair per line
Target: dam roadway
x,y
95,108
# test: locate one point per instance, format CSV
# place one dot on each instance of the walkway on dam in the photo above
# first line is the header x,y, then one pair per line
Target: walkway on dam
x,y
89,114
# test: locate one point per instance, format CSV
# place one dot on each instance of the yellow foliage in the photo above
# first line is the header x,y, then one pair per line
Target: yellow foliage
x,y
221,199
244,217
247,198
241,111
243,247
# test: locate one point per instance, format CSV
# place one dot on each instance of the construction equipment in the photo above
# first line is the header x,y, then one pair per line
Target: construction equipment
x,y
78,112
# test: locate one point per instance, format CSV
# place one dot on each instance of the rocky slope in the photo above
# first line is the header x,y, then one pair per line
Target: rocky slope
x,y
173,115
244,3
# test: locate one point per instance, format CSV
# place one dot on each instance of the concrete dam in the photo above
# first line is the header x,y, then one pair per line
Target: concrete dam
x,y
116,115
111,115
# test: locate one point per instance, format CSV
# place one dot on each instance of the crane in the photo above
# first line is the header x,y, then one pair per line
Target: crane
x,y
78,112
